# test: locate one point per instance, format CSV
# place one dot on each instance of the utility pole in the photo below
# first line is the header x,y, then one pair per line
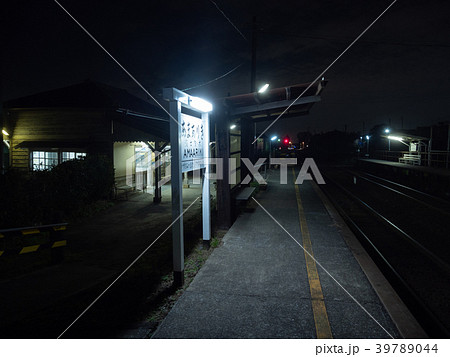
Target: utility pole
x,y
448,146
1,132
253,70
429,145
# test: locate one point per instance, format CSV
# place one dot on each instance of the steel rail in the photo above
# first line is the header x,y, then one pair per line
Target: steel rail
x,y
410,188
438,261
402,193
356,229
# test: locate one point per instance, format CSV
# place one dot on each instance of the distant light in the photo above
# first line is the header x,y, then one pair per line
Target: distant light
x,y
286,141
233,126
290,142
263,88
367,137
387,131
323,78
279,139
397,138
273,138
5,132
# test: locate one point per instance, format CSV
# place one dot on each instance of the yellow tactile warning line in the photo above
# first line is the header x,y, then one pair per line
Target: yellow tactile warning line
x,y
59,243
59,228
323,329
30,231
29,249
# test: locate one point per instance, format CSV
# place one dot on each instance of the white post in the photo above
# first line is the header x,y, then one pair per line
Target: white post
x,y
206,203
177,193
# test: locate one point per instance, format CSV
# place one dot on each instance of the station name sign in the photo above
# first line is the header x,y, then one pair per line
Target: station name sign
x,y
192,143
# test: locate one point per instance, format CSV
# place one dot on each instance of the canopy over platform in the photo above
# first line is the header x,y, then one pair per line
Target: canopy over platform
x,y
409,138
270,104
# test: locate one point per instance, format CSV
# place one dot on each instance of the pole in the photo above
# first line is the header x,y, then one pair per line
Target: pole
x,y
448,146
253,70
158,163
177,194
206,202
1,133
429,145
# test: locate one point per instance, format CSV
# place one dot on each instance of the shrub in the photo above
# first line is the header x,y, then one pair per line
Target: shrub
x,y
50,196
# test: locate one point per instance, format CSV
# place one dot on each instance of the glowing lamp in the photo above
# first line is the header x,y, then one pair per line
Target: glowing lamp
x,y
263,88
397,138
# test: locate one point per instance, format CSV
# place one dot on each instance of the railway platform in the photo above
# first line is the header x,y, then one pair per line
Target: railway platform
x,y
289,269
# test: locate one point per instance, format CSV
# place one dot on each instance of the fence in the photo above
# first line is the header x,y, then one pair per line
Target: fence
x,y
438,159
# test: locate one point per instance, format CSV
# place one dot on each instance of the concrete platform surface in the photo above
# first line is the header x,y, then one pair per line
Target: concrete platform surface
x,y
256,284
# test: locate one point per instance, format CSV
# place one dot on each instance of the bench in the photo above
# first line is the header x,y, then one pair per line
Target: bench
x,y
412,159
245,194
123,190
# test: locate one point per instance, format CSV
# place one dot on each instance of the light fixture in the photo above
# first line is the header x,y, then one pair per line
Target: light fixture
x,y
233,126
197,103
387,131
5,132
263,88
367,137
397,138
200,104
273,138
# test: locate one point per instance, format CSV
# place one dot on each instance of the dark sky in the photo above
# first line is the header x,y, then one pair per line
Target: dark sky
x,y
399,68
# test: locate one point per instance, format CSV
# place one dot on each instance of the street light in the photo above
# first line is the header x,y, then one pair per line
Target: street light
x,y
368,139
273,138
387,131
263,88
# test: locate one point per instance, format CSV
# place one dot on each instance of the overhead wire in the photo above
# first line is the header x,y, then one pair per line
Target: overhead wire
x,y
213,80
232,24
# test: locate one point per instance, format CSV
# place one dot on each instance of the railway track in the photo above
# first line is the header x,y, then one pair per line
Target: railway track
x,y
406,232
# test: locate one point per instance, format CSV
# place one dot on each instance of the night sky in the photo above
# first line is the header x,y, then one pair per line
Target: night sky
x,y
399,68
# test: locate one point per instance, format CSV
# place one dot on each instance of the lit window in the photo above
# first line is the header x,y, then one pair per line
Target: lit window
x,y
44,160
70,155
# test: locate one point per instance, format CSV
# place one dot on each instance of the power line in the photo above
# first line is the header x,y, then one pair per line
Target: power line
x,y
213,80
232,24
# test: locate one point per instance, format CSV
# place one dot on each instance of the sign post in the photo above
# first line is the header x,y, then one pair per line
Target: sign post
x,y
189,142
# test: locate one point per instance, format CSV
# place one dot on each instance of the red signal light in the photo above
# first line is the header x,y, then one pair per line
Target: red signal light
x,y
286,141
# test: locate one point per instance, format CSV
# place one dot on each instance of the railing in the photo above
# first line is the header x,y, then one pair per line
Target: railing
x,y
438,159
25,240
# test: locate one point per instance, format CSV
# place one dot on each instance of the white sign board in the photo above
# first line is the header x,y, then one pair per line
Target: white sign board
x,y
189,145
192,143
